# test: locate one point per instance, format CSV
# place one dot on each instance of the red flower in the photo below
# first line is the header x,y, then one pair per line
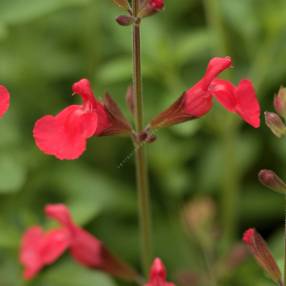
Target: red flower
x,y
156,5
40,249
4,100
158,274
197,101
239,99
65,134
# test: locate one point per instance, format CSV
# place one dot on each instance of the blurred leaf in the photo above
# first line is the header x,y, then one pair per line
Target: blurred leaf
x,y
17,11
90,193
192,46
72,274
12,173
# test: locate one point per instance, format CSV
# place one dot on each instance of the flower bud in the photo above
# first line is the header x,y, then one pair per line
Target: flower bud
x,y
125,20
269,179
259,249
275,123
280,102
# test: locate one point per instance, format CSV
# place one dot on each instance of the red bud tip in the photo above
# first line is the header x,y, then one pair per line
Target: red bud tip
x,y
248,236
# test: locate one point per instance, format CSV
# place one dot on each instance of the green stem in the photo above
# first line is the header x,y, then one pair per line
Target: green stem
x,y
141,162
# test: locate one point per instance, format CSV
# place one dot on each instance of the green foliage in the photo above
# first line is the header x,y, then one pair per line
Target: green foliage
x,y
45,46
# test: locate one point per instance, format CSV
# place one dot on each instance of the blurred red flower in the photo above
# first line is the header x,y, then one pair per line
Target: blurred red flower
x,y
39,249
4,100
156,4
65,134
158,274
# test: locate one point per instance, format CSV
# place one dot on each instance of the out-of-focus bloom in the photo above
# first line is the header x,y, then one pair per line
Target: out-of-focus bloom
x,y
65,134
158,274
4,100
151,7
156,5
197,101
259,249
270,179
280,102
39,249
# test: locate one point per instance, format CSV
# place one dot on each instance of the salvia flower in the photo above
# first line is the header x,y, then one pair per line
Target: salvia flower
x,y
272,181
41,248
4,100
158,274
197,101
64,135
259,249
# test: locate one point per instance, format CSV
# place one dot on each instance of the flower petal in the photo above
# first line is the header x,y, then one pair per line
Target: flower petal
x,y
83,88
64,135
158,274
215,67
54,244
30,252
197,101
39,249
60,213
4,100
223,91
247,104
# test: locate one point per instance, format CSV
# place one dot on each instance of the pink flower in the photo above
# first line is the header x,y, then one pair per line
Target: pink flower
x,y
156,5
65,134
158,274
4,100
197,101
39,249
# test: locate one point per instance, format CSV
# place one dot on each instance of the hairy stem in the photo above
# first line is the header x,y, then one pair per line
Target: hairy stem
x,y
141,163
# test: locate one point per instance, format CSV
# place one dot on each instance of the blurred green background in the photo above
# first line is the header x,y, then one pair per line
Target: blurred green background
x,y
208,167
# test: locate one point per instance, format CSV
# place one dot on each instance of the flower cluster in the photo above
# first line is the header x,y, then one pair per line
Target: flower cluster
x,y
65,136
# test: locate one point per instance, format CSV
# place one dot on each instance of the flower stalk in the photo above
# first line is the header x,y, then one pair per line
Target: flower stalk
x,y
141,163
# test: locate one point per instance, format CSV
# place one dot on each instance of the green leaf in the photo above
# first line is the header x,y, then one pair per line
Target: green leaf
x,y
73,274
12,173
18,11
